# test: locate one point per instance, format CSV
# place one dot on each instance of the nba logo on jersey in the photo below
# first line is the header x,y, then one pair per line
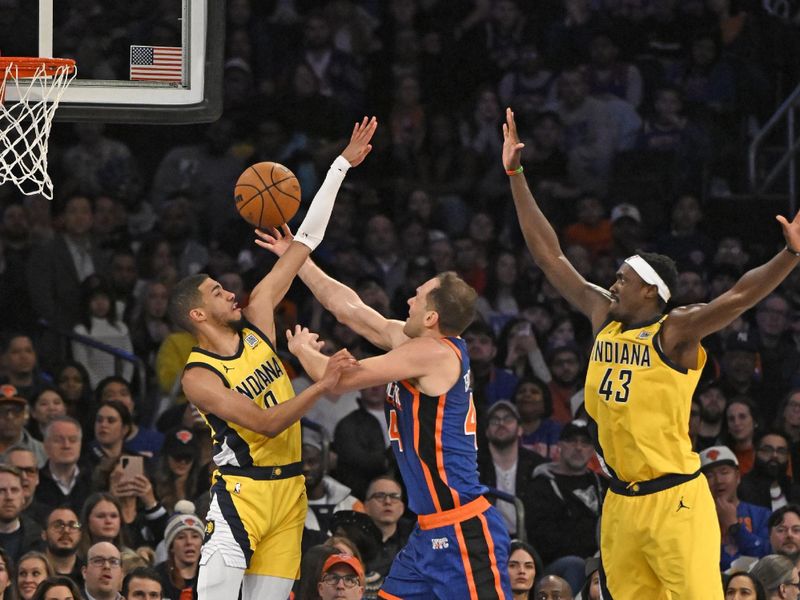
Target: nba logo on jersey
x,y
439,543
251,340
643,335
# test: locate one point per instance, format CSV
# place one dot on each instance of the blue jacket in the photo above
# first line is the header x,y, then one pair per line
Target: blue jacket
x,y
752,535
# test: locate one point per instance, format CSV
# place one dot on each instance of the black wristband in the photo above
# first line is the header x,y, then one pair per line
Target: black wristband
x,y
790,251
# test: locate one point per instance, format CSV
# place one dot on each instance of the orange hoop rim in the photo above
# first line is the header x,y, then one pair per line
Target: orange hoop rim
x,y
28,66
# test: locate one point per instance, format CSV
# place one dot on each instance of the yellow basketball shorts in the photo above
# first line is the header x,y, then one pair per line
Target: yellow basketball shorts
x,y
256,525
661,546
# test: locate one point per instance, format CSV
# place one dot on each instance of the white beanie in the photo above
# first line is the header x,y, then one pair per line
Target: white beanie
x,y
184,518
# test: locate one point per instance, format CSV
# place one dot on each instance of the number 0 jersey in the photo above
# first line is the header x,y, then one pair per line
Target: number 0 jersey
x,y
641,402
433,440
255,371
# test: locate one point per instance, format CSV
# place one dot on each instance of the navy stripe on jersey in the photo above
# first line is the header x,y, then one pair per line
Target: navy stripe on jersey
x,y
604,593
238,353
228,510
595,436
664,357
480,561
210,368
427,414
224,433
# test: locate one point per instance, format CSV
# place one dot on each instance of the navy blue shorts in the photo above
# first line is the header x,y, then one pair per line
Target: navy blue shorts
x,y
451,557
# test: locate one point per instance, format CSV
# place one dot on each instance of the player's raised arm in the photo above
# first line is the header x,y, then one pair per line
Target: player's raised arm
x,y
209,395
690,324
337,298
541,238
273,287
416,359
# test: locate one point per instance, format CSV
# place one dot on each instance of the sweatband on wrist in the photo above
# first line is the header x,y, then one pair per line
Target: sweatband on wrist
x,y
791,251
648,275
312,229
516,171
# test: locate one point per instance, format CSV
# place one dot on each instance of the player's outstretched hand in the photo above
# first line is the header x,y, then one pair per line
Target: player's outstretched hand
x,y
275,241
791,231
303,338
337,365
359,145
512,147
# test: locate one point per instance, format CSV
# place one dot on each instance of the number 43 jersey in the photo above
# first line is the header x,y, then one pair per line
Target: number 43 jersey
x,y
641,402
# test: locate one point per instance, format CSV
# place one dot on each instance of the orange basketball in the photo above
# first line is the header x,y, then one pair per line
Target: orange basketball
x,y
267,194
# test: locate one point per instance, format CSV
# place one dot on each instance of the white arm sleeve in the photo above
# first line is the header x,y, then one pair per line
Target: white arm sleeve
x,y
312,229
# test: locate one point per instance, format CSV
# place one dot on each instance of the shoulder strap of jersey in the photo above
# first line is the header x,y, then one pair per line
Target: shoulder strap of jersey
x,y
205,365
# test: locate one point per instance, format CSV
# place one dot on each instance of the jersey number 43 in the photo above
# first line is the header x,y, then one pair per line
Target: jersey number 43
x,y
617,385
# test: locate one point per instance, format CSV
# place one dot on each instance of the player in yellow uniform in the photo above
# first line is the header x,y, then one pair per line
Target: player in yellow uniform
x,y
659,532
236,380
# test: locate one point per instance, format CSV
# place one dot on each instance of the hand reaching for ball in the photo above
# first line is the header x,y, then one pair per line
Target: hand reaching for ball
x,y
274,240
359,145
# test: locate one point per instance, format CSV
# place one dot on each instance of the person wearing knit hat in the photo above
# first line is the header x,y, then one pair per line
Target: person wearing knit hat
x,y
183,538
779,577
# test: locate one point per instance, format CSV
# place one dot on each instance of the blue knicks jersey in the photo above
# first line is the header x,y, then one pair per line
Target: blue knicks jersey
x,y
434,441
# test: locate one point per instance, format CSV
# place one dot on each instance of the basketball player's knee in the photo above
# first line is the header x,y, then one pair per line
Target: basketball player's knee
x,y
218,581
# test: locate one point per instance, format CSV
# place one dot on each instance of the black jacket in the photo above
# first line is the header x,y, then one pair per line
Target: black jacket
x,y
560,521
49,494
361,450
754,488
527,461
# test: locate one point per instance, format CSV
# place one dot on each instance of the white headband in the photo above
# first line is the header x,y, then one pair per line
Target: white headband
x,y
649,275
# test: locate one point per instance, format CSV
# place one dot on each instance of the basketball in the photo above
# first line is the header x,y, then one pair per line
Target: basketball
x,y
267,194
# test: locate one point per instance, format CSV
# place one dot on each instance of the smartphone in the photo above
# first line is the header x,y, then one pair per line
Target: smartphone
x,y
525,329
131,467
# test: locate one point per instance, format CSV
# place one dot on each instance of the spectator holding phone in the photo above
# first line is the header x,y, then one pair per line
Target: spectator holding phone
x,y
519,351
142,515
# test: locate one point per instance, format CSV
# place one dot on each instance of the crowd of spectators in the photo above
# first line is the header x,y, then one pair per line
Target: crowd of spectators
x,y
632,111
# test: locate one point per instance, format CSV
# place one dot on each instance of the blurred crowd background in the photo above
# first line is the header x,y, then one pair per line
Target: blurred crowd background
x,y
636,117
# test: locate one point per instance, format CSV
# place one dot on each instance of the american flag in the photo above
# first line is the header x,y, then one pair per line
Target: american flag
x,y
156,63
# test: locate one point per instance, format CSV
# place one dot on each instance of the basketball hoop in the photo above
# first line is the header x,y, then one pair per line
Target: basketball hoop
x,y
25,122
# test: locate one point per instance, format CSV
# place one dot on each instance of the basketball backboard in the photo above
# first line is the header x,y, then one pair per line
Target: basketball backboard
x,y
138,61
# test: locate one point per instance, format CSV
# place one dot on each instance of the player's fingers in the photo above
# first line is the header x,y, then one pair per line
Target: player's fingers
x,y
286,231
289,335
782,220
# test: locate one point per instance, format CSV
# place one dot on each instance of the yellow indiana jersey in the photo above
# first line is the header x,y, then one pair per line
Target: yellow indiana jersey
x,y
255,371
641,402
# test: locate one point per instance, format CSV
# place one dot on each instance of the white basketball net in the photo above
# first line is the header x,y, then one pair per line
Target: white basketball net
x,y
25,126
